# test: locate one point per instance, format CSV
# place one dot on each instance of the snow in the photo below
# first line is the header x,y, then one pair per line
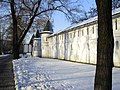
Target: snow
x,y
52,74
4,55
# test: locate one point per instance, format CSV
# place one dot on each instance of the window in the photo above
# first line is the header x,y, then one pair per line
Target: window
x,y
71,47
93,29
116,24
82,32
117,44
36,46
78,33
67,36
87,31
62,37
70,35
74,34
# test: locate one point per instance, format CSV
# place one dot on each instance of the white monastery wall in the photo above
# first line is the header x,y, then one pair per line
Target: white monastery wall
x,y
116,27
80,43
77,43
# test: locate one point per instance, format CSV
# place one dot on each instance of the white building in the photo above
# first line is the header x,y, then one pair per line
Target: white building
x,y
79,42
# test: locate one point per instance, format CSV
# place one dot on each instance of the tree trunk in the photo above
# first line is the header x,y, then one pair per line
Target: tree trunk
x,y
15,35
0,47
0,42
16,52
105,46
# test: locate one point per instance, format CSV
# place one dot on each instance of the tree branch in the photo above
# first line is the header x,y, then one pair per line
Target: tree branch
x,y
30,23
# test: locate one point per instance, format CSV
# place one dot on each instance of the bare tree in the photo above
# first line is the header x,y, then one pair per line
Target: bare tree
x,y
92,12
115,4
3,32
31,9
105,46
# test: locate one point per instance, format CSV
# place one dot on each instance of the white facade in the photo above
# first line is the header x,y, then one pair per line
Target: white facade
x,y
79,42
36,47
44,43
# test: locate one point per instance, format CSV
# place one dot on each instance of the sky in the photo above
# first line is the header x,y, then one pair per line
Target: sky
x,y
60,21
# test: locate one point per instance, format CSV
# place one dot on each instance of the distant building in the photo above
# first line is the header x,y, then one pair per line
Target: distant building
x,y
28,47
76,43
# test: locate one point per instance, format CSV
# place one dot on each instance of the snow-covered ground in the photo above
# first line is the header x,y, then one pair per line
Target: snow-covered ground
x,y
53,74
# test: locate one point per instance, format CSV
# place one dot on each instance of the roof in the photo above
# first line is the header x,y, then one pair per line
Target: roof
x,y
28,40
48,26
114,12
31,36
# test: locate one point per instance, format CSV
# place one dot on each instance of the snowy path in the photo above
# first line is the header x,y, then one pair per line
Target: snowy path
x,y
52,74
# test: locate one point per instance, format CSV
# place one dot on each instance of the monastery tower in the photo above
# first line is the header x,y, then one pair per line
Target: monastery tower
x,y
47,31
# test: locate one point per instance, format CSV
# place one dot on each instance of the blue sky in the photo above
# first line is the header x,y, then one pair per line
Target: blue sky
x,y
60,22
